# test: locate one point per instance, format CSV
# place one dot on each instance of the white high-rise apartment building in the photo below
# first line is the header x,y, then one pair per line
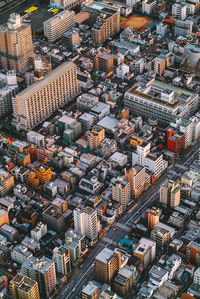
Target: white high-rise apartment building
x,y
121,192
179,10
38,101
145,158
148,6
61,258
86,222
56,26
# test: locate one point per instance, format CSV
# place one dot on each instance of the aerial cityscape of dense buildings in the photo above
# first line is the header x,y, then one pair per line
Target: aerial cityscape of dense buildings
x,y
99,149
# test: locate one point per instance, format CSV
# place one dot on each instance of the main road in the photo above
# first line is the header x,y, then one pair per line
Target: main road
x,y
111,239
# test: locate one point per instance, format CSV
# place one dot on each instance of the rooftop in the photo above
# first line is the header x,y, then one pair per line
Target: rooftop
x,y
89,289
58,18
39,85
144,245
105,255
134,90
108,122
53,212
41,265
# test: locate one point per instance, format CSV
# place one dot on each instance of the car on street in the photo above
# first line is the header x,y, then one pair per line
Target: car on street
x,y
116,228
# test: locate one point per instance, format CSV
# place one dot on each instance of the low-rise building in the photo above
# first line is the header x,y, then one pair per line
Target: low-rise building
x,y
20,254
39,231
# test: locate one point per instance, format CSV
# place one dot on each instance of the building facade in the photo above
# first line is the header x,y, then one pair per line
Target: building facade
x,y
107,263
16,45
161,103
143,157
41,99
42,271
136,177
170,193
23,287
56,26
121,192
107,22
145,251
152,217
61,258
95,137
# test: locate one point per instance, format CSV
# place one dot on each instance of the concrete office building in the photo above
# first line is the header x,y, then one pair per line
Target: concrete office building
x,y
61,258
71,38
16,46
121,192
86,222
23,287
69,128
122,70
56,26
170,193
42,98
136,178
43,271
144,157
9,232
87,121
107,21
95,137
54,219
145,251
86,101
160,102
193,53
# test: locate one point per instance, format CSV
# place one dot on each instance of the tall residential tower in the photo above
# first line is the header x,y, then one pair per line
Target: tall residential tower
x,y
16,45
